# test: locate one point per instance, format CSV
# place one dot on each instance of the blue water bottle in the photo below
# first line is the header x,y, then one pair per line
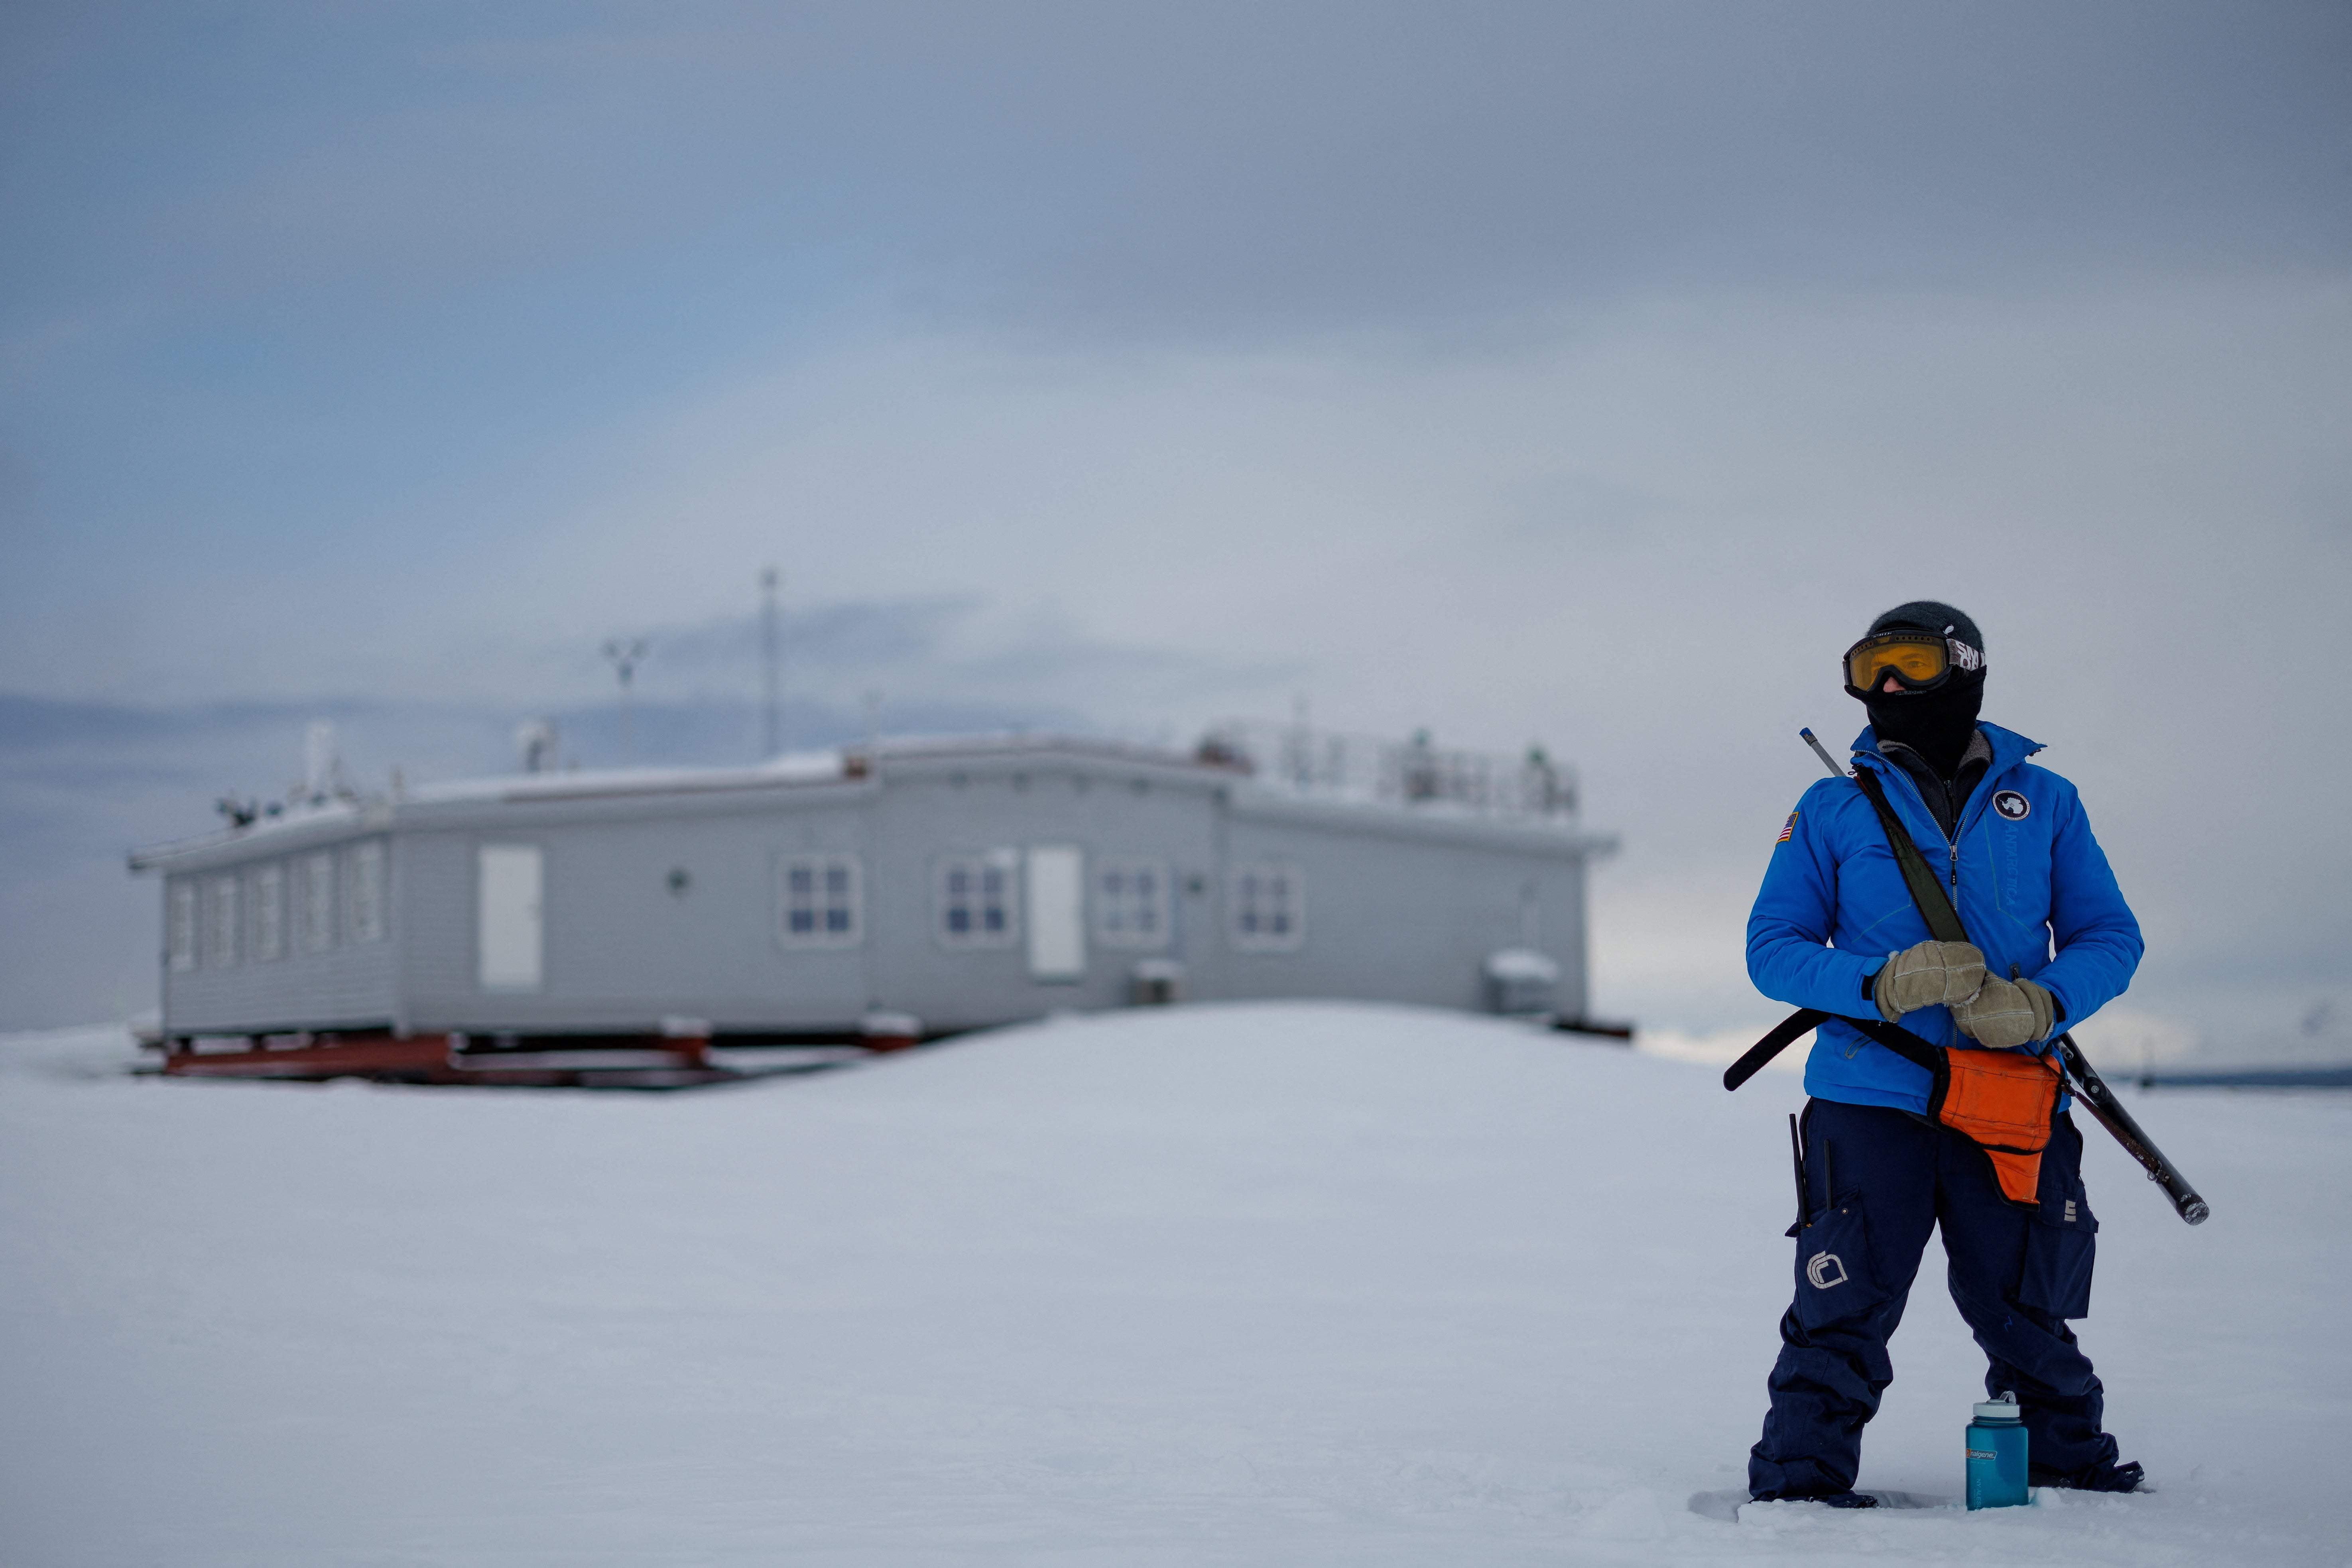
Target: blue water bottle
x,y
1997,1455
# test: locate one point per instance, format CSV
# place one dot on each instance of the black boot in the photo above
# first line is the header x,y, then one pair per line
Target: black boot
x,y
2127,1477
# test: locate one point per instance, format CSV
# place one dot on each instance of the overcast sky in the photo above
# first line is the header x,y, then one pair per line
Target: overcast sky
x,y
1589,374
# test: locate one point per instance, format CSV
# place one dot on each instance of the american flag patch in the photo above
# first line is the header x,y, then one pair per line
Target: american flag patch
x,y
1787,828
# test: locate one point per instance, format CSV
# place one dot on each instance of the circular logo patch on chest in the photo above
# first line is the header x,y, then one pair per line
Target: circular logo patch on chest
x,y
2012,805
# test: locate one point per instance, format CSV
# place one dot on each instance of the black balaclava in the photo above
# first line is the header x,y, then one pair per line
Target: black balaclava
x,y
1937,724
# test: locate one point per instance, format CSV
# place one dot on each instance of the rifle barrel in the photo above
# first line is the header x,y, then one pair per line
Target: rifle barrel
x,y
2094,1094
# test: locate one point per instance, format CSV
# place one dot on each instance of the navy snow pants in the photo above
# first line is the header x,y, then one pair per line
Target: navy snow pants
x,y
1877,1181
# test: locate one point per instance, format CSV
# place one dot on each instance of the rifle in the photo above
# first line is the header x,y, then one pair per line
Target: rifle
x,y
2075,1071
2093,1090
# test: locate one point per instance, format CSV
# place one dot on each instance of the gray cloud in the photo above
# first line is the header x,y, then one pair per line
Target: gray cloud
x,y
1221,168
1132,367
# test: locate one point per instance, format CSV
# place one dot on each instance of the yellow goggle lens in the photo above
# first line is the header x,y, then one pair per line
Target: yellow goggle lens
x,y
1913,659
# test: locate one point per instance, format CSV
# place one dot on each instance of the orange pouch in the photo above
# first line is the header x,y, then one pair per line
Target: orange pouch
x,y
2005,1104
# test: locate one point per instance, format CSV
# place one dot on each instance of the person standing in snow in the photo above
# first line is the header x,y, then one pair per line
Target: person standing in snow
x,y
1836,928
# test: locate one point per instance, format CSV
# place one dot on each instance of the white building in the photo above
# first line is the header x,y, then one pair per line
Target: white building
x,y
964,882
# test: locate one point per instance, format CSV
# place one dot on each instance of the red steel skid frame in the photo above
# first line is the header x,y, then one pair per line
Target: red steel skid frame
x,y
377,1053
324,1055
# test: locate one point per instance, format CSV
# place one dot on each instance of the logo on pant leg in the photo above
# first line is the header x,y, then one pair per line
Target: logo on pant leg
x,y
1825,1269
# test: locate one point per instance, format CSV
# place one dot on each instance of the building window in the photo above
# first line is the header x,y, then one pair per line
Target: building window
x,y
367,892
1269,906
220,919
315,901
1131,903
978,900
270,912
820,900
180,926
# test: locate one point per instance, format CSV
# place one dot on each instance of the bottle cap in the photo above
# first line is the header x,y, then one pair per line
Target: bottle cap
x,y
2002,1409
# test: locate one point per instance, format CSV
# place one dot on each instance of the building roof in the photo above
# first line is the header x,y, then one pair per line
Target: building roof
x,y
331,816
1271,789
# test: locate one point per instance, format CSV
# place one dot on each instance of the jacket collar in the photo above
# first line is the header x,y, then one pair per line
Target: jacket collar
x,y
1978,753
2009,747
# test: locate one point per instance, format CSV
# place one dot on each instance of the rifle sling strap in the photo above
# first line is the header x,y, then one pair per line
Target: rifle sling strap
x,y
1935,904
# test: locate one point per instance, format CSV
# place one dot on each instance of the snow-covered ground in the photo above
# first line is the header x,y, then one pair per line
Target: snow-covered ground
x,y
1270,1284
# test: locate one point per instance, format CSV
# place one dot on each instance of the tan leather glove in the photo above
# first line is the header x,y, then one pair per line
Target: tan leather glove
x,y
2007,1013
1932,974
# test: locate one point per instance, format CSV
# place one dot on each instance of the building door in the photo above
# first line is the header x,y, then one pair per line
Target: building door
x,y
509,929
1058,913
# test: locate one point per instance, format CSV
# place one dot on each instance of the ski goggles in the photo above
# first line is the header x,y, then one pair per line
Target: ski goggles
x,y
1920,660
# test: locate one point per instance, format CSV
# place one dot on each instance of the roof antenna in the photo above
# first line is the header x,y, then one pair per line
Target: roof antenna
x,y
771,737
322,764
626,654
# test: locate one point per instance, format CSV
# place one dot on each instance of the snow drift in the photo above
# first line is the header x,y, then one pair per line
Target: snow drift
x,y
1266,1284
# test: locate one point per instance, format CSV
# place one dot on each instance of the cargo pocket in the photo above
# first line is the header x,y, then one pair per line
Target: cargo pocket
x,y
2061,1243
1834,1279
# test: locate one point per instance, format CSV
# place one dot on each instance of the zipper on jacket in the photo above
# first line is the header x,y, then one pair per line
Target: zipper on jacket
x,y
1951,839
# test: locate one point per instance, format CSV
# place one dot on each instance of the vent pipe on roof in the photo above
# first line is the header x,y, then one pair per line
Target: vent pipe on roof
x,y
536,742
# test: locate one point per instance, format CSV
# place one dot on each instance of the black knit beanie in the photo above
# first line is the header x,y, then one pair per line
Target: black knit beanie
x,y
1931,616
1937,724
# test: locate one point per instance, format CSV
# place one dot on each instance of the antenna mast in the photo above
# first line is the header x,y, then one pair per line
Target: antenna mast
x,y
771,723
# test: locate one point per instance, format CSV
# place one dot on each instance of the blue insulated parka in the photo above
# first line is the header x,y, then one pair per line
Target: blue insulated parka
x,y
2031,884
